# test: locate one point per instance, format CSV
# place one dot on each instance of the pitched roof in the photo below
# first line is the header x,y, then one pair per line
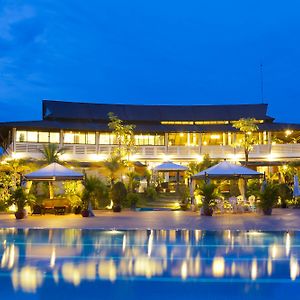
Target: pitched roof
x,y
60,110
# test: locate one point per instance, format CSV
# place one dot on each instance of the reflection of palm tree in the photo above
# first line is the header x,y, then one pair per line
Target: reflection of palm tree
x,y
113,166
51,154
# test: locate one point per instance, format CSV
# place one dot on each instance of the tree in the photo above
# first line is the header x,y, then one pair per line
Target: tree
x,y
51,154
95,191
247,127
196,167
124,136
113,165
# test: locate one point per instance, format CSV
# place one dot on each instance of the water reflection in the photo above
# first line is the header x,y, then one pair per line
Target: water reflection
x,y
77,256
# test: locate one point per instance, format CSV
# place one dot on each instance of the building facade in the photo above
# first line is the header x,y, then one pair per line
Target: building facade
x,y
165,132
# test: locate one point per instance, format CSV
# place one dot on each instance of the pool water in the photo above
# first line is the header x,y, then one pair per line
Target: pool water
x,y
148,264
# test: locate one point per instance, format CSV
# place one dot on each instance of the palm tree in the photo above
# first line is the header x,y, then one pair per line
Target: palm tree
x,y
51,154
113,166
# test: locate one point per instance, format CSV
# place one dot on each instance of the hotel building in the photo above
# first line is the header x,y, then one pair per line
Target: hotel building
x,y
163,132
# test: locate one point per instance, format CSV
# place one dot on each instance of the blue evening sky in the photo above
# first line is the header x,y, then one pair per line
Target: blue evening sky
x,y
149,52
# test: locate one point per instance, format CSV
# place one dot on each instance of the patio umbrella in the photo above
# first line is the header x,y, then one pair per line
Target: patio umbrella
x,y
296,191
54,172
227,170
169,167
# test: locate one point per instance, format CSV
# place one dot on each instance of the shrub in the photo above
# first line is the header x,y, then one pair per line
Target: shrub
x,y
20,199
118,193
285,193
268,197
95,191
210,193
151,194
253,187
132,199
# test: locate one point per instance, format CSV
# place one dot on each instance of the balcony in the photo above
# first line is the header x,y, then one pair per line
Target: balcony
x,y
159,153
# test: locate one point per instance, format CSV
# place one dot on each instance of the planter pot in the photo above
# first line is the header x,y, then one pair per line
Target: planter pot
x,y
184,207
267,212
77,210
116,208
85,213
19,215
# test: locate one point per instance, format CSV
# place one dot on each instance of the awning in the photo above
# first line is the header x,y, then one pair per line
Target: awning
x,y
225,169
54,172
169,167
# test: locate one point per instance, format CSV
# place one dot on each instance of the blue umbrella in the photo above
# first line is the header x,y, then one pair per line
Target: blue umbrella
x,y
296,192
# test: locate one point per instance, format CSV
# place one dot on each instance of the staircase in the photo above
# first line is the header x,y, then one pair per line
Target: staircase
x,y
167,201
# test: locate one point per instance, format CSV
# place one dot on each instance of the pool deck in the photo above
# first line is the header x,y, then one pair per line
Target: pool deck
x,y
281,220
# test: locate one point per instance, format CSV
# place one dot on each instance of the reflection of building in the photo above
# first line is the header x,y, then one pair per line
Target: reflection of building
x,y
179,133
75,256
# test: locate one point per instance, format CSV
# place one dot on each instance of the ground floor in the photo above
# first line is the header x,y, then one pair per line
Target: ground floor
x,y
281,220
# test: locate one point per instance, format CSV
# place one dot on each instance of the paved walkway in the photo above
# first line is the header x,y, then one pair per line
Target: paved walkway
x,y
282,219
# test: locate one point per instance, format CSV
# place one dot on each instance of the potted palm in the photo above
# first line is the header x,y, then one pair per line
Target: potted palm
x,y
268,198
209,193
20,199
118,195
85,203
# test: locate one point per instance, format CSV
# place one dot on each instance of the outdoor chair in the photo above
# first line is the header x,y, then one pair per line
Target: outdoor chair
x,y
220,205
233,203
252,205
37,210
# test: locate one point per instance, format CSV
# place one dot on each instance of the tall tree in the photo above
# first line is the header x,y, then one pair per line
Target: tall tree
x,y
247,127
124,136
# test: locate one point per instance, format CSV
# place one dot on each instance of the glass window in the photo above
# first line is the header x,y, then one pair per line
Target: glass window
x,y
91,138
21,136
213,138
54,137
69,138
104,139
32,136
79,138
43,137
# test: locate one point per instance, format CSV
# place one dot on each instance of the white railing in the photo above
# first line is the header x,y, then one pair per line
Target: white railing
x,y
92,152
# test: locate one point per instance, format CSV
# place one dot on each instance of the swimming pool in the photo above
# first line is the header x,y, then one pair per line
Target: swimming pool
x,y
148,264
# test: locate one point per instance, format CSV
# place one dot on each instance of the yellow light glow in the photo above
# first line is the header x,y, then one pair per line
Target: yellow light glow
x,y
215,136
199,158
205,143
288,132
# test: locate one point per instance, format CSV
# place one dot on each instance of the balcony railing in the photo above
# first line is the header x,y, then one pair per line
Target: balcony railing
x,y
94,152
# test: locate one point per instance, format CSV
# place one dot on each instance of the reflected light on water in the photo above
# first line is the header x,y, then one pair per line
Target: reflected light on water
x,y
184,271
287,244
294,268
52,258
107,270
254,269
218,267
28,279
150,243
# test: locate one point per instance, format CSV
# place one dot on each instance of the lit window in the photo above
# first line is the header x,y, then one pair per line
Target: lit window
x,y
104,138
79,138
91,138
32,136
54,137
69,138
43,137
21,136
